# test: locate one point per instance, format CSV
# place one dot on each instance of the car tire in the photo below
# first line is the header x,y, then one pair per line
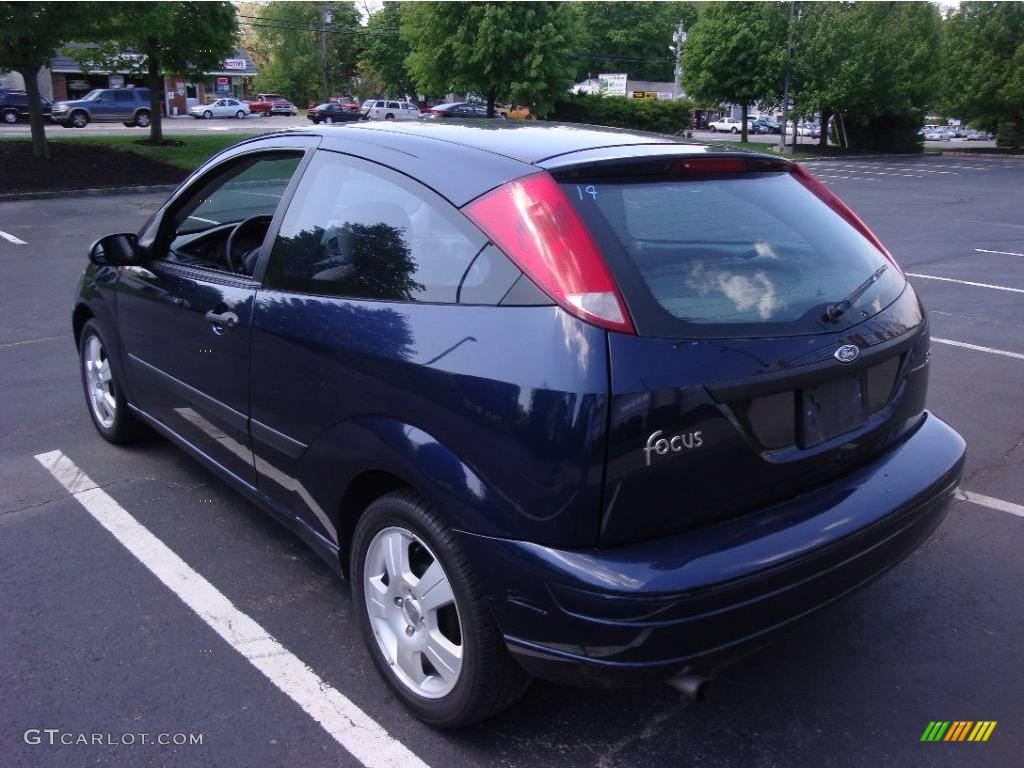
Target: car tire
x,y
79,119
735,129
712,129
142,118
240,115
104,396
487,679
10,116
207,115
389,116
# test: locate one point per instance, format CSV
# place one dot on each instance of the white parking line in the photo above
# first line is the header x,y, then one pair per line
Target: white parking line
x,y
352,728
988,501
978,348
966,282
1001,253
12,238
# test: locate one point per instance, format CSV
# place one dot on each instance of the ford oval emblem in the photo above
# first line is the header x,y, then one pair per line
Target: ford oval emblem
x,y
847,353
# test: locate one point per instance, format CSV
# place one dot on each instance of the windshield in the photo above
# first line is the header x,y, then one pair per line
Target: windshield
x,y
733,255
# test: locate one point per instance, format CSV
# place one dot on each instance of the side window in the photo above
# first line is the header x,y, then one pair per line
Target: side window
x,y
355,229
379,105
122,96
392,105
248,189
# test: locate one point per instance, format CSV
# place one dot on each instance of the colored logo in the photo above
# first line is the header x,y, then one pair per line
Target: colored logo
x,y
847,353
958,730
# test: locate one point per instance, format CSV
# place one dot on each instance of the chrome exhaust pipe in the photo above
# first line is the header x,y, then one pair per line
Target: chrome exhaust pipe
x,y
691,685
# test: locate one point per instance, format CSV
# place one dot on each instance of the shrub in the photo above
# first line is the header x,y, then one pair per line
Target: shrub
x,y
638,114
885,133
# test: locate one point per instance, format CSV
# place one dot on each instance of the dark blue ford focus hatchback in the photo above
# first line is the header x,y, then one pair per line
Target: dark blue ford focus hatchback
x,y
564,402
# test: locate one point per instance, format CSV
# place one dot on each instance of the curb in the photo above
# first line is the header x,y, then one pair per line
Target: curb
x,y
15,196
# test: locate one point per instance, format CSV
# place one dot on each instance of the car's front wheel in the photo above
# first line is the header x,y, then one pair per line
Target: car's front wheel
x,y
103,392
10,116
207,115
79,119
424,618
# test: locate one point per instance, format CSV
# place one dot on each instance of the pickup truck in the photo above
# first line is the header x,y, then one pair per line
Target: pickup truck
x,y
729,124
267,104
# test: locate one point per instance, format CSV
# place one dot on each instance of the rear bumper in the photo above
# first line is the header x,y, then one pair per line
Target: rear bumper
x,y
651,610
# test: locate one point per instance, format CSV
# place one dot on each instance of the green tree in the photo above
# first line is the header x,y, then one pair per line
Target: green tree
x,y
523,52
385,51
288,37
983,63
629,37
736,53
158,39
30,33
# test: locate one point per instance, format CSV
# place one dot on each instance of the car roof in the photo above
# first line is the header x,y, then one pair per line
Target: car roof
x,y
515,140
463,159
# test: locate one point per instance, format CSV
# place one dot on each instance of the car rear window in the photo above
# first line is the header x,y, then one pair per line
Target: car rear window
x,y
731,254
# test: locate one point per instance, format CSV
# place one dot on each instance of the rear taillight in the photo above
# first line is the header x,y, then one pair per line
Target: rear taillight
x,y
531,220
826,195
437,113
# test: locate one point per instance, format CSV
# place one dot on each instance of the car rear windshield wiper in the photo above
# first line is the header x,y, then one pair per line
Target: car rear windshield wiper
x,y
834,311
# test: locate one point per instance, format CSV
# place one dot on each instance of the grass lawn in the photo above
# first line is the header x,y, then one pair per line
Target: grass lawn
x,y
186,152
191,151
86,162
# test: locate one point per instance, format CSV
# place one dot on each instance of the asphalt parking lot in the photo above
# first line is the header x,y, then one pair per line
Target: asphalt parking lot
x,y
93,642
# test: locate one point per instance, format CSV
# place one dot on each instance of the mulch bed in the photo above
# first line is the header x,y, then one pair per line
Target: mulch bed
x,y
79,166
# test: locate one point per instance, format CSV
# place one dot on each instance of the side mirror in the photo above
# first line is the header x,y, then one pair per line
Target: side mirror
x,y
115,250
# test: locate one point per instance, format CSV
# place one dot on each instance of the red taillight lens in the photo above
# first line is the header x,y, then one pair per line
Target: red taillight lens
x,y
537,227
832,201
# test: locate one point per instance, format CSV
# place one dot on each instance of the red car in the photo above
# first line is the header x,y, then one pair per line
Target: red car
x,y
268,104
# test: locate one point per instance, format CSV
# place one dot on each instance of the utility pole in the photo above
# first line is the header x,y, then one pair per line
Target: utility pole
x,y
785,87
326,17
679,37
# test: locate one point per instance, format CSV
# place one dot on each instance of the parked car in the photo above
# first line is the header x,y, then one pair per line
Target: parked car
x,y
263,103
221,108
728,124
462,110
333,113
938,134
765,125
466,391
392,110
105,105
974,135
516,112
14,106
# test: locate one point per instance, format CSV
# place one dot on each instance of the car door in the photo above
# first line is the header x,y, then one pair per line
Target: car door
x,y
366,261
103,107
184,314
123,104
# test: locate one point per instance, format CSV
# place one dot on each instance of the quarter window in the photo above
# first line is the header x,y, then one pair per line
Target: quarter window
x,y
355,229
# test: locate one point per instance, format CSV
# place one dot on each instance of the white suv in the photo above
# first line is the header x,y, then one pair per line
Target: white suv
x,y
393,110
730,124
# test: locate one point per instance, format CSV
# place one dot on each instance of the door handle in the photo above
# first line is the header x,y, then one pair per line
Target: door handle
x,y
222,321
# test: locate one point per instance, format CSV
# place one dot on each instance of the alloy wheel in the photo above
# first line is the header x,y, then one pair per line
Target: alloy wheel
x,y
100,382
413,613
10,116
